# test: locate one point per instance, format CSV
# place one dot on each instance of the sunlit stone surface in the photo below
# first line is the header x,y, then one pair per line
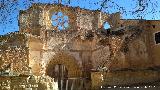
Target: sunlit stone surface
x,y
82,55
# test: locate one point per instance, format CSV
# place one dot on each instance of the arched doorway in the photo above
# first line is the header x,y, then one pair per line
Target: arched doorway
x,y
68,61
63,67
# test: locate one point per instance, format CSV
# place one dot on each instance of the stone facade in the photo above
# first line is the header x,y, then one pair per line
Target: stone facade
x,y
14,53
83,47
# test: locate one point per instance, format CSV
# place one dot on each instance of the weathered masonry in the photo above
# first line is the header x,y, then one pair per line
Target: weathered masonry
x,y
70,42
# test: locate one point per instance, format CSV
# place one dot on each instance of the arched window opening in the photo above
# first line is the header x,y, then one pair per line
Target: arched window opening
x,y
106,26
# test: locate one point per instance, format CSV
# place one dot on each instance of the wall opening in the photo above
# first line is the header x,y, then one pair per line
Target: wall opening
x,y
157,38
61,74
60,71
60,20
66,60
106,26
153,26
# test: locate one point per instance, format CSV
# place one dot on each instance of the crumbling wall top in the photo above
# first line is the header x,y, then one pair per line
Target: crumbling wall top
x,y
61,17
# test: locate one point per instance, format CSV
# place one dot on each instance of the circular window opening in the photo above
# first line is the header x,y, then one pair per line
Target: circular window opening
x,y
60,21
106,26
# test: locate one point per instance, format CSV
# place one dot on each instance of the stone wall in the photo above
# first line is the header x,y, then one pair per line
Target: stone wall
x,y
90,52
35,46
14,53
129,45
27,83
123,78
153,27
39,16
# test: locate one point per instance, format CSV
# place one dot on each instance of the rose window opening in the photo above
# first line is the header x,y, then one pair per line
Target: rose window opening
x,y
60,21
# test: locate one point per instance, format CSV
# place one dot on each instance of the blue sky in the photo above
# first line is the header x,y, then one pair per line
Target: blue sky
x,y
128,5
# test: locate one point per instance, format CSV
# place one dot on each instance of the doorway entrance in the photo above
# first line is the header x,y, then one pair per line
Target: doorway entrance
x,y
60,75
65,70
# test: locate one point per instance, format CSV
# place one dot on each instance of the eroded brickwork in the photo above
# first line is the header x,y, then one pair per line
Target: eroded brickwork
x,y
14,53
84,46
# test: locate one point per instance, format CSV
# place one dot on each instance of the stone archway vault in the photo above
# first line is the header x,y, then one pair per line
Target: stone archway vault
x,y
68,61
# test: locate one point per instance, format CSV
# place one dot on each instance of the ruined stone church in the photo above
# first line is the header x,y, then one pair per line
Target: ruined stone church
x,y
70,42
